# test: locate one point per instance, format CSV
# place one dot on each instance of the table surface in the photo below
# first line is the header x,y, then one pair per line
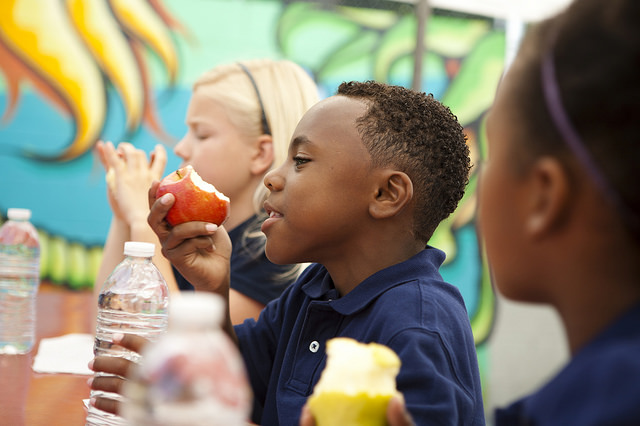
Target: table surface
x,y
29,398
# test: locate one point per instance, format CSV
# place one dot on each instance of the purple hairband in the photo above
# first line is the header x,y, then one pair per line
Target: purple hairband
x,y
569,134
563,123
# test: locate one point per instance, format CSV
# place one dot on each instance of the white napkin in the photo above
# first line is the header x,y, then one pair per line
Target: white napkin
x,y
70,353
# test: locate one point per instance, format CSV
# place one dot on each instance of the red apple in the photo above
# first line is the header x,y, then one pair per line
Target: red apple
x,y
195,199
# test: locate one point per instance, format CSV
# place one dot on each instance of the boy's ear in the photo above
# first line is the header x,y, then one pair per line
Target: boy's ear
x,y
394,192
549,197
262,157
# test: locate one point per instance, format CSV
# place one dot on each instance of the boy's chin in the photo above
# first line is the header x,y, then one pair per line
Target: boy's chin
x,y
279,257
275,257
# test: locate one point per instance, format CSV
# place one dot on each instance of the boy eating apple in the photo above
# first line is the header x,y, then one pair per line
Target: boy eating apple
x,y
371,172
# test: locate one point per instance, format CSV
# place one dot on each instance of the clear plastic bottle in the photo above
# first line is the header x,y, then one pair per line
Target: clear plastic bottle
x,y
193,375
19,282
133,300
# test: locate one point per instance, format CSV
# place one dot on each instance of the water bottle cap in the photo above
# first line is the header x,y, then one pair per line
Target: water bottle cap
x,y
19,214
139,249
195,309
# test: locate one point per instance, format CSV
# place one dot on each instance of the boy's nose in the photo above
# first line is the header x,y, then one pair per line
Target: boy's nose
x,y
273,181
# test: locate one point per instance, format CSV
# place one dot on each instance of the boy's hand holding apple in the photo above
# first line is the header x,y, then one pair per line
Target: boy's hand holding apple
x,y
186,214
195,199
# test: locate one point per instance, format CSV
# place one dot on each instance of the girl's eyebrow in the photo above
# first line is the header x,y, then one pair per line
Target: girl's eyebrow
x,y
196,120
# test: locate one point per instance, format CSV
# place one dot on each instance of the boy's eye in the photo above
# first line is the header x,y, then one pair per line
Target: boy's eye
x,y
299,161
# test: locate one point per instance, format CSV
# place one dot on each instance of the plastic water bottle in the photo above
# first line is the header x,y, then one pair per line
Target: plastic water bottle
x,y
133,300
19,282
194,374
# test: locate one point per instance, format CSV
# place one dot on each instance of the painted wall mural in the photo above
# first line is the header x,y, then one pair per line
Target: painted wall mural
x,y
77,71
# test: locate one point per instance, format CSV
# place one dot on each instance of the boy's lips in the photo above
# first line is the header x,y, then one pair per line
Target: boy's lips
x,y
274,216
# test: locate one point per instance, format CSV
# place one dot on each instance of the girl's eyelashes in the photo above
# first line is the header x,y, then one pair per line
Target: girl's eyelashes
x,y
200,132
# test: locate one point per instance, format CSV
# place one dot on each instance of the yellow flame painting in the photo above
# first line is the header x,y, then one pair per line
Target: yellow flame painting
x,y
69,50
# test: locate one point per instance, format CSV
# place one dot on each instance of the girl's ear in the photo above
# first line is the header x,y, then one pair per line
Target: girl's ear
x,y
394,192
549,198
262,157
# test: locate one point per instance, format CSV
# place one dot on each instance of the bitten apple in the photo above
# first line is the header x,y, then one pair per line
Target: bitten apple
x,y
356,385
196,200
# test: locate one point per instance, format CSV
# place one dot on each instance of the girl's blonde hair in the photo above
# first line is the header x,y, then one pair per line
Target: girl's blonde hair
x,y
286,90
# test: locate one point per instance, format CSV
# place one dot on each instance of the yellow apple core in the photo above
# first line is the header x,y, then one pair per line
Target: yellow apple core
x,y
356,384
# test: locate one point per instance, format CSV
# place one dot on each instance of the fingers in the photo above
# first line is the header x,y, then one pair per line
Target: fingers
x,y
126,154
158,161
188,238
158,210
130,341
306,418
183,239
99,150
118,365
114,367
111,365
152,192
135,159
113,384
397,414
107,154
110,158
114,371
106,404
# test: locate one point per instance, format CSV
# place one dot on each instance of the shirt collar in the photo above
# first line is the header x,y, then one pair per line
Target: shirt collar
x,y
425,263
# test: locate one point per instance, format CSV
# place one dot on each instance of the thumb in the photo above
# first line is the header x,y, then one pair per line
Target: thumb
x,y
397,414
306,418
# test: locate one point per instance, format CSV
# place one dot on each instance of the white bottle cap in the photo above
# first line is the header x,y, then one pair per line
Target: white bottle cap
x,y
139,249
195,310
19,214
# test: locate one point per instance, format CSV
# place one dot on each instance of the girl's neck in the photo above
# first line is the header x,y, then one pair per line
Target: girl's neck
x,y
241,208
238,216
589,315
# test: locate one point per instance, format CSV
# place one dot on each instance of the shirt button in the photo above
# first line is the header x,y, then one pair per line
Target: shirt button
x,y
314,346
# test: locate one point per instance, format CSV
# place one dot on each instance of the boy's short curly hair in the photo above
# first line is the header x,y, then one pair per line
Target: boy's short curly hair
x,y
418,135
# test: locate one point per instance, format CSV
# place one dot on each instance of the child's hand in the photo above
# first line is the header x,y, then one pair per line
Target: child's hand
x,y
200,251
129,175
119,369
397,414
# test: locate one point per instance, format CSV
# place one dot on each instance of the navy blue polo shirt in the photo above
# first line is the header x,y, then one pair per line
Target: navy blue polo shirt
x,y
599,386
407,307
252,274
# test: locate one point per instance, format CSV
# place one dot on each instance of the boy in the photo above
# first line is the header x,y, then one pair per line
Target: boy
x,y
370,174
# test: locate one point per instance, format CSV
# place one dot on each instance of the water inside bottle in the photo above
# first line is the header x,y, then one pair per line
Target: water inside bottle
x,y
19,282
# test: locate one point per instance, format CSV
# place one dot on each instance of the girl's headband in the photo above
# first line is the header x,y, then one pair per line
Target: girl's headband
x,y
265,124
572,139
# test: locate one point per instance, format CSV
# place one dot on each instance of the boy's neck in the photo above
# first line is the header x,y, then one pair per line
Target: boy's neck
x,y
347,271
